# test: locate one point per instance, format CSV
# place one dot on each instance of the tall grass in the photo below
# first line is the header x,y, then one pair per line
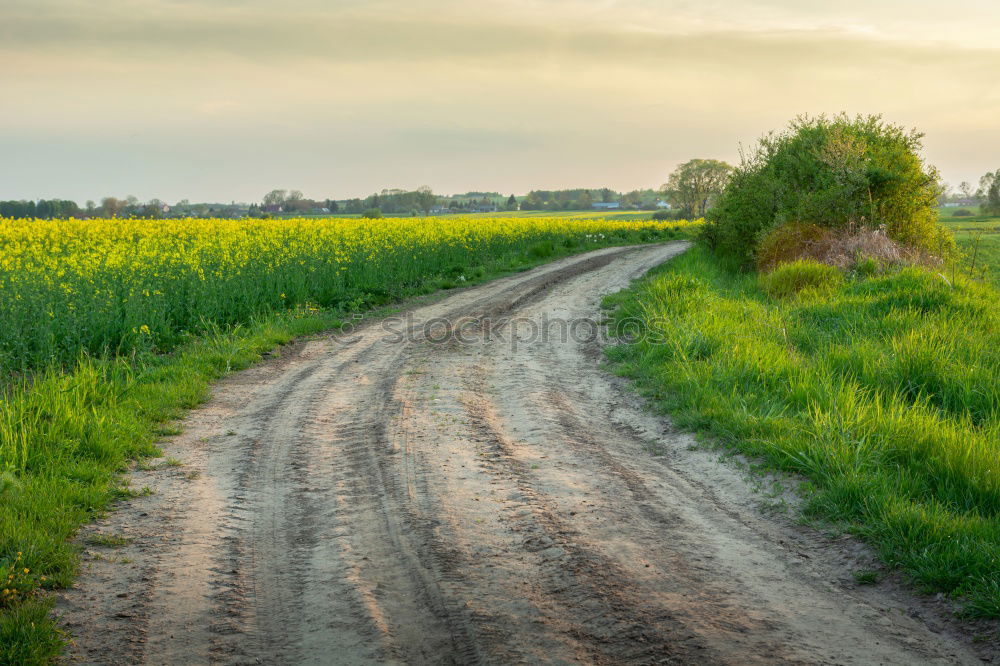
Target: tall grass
x,y
884,392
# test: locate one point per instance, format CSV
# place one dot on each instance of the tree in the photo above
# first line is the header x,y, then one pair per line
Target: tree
x,y
512,202
274,199
111,206
836,173
944,192
989,192
694,185
632,199
965,189
425,199
153,209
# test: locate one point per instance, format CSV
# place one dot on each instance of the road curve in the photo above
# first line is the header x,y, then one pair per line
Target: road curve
x,y
452,486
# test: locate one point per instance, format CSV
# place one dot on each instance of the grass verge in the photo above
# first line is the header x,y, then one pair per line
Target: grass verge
x,y
883,392
66,435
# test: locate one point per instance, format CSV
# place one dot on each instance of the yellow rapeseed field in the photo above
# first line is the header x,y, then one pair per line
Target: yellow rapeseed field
x,y
68,286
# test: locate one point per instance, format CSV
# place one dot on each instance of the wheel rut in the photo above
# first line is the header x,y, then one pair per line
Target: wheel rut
x,y
455,485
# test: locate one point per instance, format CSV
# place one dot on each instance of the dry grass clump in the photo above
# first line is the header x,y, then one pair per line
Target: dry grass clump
x,y
853,248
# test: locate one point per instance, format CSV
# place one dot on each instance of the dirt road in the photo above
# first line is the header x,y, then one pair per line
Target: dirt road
x,y
401,495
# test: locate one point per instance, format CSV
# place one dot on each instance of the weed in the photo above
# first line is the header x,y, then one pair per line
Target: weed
x,y
866,577
107,540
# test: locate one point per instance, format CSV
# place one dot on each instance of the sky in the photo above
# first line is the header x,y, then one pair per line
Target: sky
x,y
219,100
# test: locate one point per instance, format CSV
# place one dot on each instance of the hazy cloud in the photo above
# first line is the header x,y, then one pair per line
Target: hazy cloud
x,y
225,99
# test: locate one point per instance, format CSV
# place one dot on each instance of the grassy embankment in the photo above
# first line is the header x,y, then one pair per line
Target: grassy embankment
x,y
882,391
112,328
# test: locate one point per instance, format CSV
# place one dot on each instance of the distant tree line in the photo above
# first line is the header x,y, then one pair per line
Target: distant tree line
x,y
424,201
113,207
47,208
585,199
691,190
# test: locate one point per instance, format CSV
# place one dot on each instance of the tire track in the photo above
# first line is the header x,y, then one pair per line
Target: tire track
x,y
372,500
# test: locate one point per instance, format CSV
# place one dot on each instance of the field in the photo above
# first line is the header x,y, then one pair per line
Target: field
x,y
74,287
979,239
114,326
883,392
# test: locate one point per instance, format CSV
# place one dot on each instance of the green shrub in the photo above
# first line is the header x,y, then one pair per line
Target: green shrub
x,y
663,215
372,213
789,279
833,173
962,212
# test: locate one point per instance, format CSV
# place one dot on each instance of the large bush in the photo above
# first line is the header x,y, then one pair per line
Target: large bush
x,y
835,173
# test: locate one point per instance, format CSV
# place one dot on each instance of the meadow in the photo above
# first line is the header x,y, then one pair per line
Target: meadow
x,y
114,327
978,237
880,391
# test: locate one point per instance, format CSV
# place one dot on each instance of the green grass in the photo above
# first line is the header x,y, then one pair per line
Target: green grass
x,y
978,238
67,433
883,392
108,541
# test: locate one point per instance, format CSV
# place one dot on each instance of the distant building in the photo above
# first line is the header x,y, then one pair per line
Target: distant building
x,y
663,204
606,205
962,203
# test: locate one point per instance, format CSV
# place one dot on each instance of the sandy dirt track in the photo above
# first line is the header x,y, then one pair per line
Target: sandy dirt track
x,y
370,499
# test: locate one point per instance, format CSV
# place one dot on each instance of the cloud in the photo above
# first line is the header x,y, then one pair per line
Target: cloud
x,y
535,93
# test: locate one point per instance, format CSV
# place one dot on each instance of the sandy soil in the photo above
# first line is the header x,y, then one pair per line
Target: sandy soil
x,y
491,499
